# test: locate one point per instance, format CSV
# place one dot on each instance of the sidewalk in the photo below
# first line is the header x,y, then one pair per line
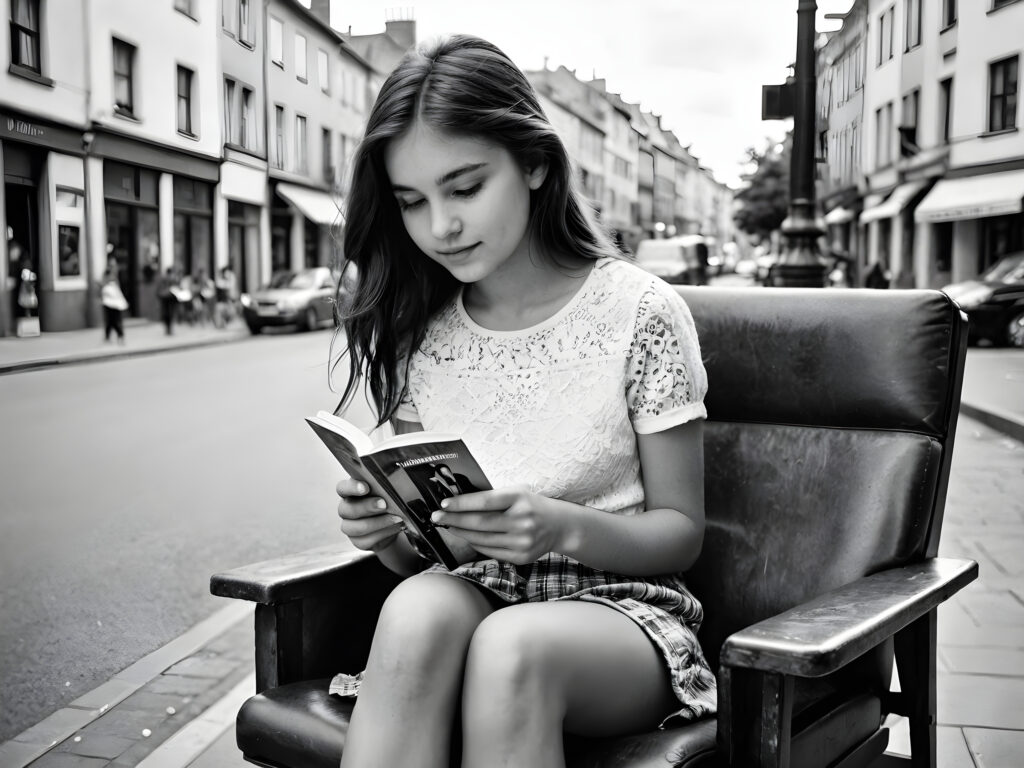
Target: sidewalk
x,y
176,707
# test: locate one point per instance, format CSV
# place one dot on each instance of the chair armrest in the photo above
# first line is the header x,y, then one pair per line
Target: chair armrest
x,y
304,574
828,632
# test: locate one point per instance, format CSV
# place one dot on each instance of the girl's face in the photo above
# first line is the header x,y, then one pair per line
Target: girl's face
x,y
465,202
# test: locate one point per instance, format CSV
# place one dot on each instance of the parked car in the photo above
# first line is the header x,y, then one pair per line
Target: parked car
x,y
674,259
304,298
994,302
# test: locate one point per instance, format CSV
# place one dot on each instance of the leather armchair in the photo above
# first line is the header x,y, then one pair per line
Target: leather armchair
x,y
831,423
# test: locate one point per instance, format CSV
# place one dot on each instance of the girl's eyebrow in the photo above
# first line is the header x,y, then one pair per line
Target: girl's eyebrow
x,y
460,171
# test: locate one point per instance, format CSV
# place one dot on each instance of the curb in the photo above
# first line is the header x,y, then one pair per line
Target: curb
x,y
120,354
62,725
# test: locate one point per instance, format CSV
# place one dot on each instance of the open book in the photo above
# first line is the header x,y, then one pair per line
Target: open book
x,y
412,472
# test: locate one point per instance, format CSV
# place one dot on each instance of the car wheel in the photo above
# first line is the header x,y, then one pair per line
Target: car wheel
x,y
311,322
254,328
1015,332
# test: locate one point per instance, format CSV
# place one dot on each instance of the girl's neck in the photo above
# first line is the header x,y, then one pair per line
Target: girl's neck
x,y
525,291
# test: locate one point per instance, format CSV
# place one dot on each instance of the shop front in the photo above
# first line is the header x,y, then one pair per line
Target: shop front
x,y
43,222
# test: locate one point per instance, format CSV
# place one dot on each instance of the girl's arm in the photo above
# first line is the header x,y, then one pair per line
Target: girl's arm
x,y
515,525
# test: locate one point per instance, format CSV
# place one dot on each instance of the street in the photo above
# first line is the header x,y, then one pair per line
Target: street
x,y
126,485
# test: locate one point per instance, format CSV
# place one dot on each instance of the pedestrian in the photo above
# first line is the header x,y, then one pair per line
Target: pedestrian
x,y
28,299
114,305
168,303
877,276
223,285
203,294
490,303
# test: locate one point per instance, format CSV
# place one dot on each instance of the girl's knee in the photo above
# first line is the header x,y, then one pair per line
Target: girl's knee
x,y
430,611
509,661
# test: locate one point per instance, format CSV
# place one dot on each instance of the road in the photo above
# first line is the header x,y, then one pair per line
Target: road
x,y
125,484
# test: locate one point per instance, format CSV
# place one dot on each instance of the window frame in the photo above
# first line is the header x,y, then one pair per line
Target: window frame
x,y
911,24
1004,96
946,109
323,70
301,144
244,19
186,7
275,40
327,153
230,96
124,110
280,136
949,14
886,21
246,139
301,72
17,29
188,128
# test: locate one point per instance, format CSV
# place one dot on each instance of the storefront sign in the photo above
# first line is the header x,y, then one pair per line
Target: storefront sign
x,y
15,127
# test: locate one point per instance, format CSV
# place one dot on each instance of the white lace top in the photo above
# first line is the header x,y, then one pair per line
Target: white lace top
x,y
557,406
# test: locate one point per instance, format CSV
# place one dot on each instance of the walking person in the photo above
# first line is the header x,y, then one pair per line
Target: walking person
x,y
488,302
165,287
114,305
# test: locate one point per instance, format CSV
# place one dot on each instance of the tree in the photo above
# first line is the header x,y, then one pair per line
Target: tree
x,y
764,201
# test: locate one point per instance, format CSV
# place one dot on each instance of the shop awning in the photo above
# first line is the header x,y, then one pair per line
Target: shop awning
x,y
973,197
315,205
896,202
839,215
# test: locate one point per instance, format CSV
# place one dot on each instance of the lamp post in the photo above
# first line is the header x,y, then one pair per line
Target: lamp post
x,y
801,264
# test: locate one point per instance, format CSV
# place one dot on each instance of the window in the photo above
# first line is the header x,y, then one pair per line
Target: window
x,y
278,136
323,70
245,122
912,24
276,41
25,34
1000,3
883,141
946,109
301,143
300,57
1002,99
124,86
229,111
69,262
325,143
185,6
885,33
908,123
244,30
948,13
185,101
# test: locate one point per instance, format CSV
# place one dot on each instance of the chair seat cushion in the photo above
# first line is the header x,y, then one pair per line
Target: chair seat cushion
x,y
301,726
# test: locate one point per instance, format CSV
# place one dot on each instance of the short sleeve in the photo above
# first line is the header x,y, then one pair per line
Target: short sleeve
x,y
665,377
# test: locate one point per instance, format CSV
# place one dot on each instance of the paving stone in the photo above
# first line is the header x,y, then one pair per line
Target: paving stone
x,y
196,666
995,609
15,753
950,745
126,723
180,685
981,701
96,745
995,748
148,701
984,661
107,695
68,760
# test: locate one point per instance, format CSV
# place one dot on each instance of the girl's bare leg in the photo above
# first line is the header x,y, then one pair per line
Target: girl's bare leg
x,y
409,696
534,669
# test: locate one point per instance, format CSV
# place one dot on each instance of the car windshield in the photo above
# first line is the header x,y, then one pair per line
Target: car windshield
x,y
296,280
1008,270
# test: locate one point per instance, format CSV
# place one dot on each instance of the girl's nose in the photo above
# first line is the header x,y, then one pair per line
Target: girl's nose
x,y
444,224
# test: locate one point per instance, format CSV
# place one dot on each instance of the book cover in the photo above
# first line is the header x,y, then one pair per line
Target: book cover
x,y
414,472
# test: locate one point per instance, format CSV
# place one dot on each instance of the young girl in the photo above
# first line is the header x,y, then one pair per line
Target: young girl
x,y
490,305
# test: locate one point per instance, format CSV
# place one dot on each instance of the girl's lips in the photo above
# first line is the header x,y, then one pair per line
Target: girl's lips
x,y
458,254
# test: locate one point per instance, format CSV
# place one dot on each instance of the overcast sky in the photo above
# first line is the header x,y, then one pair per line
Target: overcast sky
x,y
698,63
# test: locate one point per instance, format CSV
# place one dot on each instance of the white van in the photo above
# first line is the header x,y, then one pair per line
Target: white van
x,y
674,259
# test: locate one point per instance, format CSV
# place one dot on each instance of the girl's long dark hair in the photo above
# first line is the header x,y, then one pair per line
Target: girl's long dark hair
x,y
467,86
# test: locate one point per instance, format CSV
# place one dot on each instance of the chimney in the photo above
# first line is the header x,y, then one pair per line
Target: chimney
x,y
402,31
322,10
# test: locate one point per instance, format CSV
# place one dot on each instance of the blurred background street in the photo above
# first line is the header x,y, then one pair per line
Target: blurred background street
x,y
194,153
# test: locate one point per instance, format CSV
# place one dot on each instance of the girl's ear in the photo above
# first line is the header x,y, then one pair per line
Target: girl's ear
x,y
536,174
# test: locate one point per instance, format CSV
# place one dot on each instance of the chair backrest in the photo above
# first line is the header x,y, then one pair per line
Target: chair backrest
x,y
831,416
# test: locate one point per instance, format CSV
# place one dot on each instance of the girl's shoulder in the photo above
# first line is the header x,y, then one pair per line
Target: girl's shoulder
x,y
628,282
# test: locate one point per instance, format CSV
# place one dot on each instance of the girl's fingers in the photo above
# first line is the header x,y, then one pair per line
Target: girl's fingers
x,y
476,521
358,508
351,487
484,501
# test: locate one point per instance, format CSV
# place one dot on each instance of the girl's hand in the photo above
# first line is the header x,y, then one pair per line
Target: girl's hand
x,y
365,519
510,524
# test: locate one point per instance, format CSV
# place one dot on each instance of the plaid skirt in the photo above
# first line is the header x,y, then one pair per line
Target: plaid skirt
x,y
661,606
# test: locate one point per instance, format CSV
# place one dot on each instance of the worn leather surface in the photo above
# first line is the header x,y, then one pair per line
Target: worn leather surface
x,y
853,358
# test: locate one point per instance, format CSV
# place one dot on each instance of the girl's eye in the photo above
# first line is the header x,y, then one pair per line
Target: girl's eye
x,y
408,205
469,191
